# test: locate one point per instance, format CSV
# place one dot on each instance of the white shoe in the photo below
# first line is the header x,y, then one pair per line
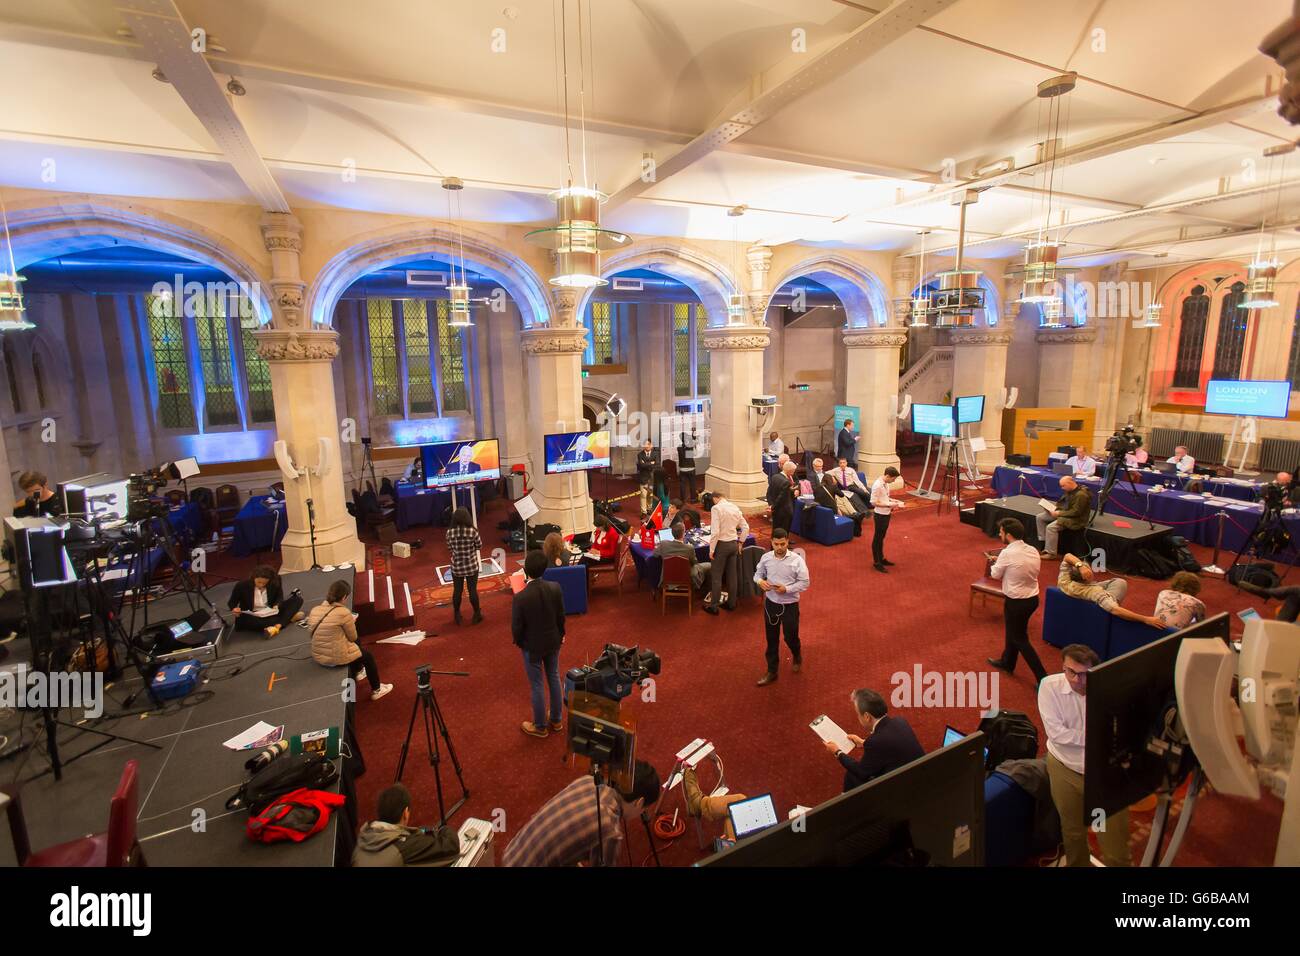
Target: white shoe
x,y
361,675
383,689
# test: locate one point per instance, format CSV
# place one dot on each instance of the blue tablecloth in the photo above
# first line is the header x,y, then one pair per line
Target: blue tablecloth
x,y
1192,516
1221,487
187,521
417,505
258,528
769,466
649,566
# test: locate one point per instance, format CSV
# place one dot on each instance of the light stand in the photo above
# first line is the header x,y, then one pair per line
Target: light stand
x,y
426,702
311,530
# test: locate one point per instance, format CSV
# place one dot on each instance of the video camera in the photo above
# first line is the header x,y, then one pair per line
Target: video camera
x,y
614,673
142,489
1124,442
1277,496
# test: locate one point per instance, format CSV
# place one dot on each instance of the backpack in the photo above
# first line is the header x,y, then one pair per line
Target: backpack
x,y
1260,574
1011,736
1182,555
282,775
294,816
1153,564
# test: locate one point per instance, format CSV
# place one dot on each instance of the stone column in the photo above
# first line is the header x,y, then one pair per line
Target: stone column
x,y
871,383
1065,367
979,367
553,354
302,385
736,433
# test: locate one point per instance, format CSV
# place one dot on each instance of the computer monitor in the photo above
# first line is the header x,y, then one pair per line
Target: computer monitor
x,y
752,815
576,451
951,735
450,463
934,420
930,811
970,409
1128,697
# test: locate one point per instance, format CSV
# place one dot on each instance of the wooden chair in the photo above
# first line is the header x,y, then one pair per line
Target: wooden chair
x,y
228,503
602,569
676,583
116,846
175,497
986,587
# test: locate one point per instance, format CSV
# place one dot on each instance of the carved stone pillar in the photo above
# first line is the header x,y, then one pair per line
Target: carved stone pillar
x,y
1065,375
553,354
979,367
302,386
736,433
760,267
871,383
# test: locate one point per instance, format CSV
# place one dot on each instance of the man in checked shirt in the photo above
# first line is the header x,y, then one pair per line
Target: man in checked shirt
x,y
566,830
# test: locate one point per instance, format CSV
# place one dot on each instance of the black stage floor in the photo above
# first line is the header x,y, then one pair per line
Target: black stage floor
x,y
192,770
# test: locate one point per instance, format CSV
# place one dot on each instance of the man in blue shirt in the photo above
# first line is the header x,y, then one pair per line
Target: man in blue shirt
x,y
781,576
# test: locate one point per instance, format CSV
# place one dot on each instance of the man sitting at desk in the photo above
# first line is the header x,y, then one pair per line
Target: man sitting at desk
x,y
1136,459
678,548
1082,465
1076,580
775,446
1071,512
1182,461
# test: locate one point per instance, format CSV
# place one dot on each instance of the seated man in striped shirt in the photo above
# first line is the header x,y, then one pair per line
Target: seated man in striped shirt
x,y
566,831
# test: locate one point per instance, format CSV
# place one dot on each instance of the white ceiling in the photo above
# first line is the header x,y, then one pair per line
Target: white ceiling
x,y
409,92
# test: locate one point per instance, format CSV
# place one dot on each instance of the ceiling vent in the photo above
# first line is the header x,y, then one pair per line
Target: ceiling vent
x,y
420,277
627,285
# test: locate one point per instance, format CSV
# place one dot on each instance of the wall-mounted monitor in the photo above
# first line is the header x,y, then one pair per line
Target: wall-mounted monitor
x,y
970,409
1259,399
450,463
576,451
934,420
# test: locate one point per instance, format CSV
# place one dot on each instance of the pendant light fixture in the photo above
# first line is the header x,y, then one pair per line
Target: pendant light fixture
x,y
13,314
577,238
460,315
959,295
1153,310
918,305
1040,273
1261,272
737,313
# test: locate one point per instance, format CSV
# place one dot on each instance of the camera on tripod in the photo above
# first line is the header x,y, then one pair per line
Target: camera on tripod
x,y
141,491
1277,496
614,673
1123,443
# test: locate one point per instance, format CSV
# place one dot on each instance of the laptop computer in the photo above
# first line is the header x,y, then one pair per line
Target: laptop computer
x,y
1062,468
1166,467
663,534
951,735
752,815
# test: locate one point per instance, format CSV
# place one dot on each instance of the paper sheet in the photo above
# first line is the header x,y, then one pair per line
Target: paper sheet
x,y
1046,505
260,734
410,638
827,729
264,612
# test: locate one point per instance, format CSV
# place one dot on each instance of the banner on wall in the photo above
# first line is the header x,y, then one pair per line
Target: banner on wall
x,y
844,413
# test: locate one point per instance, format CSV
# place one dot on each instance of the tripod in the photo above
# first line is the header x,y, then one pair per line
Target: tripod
x,y
951,470
427,702
1269,536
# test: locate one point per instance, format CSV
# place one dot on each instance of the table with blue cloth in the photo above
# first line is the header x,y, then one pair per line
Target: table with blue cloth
x,y
1219,487
1192,516
418,505
649,566
769,466
187,521
258,527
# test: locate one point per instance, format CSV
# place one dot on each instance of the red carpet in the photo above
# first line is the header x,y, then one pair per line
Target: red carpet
x,y
858,628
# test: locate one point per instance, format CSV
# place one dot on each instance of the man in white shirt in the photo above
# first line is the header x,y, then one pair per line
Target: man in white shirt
x,y
727,532
775,446
852,485
882,507
1084,467
1062,703
1017,566
1183,461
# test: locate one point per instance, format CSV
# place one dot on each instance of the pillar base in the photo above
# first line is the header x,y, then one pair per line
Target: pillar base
x,y
339,545
875,464
746,490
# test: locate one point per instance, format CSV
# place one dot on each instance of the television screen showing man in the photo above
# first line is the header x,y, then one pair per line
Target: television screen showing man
x,y
576,451
460,462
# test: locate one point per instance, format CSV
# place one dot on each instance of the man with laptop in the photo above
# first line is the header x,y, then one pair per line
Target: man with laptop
x,y
889,744
671,544
1080,465
1183,462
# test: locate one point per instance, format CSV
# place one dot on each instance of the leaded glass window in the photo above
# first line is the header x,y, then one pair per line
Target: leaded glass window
x,y
701,353
681,349
215,361
38,375
383,357
451,363
1191,338
1230,343
419,372
171,370
261,405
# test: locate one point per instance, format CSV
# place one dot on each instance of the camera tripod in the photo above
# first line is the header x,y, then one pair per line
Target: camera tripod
x,y
951,472
427,702
1270,536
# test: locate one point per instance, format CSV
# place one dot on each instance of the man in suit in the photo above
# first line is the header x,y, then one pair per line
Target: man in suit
x,y
686,465
678,548
846,443
647,460
260,591
537,625
780,495
464,464
578,452
679,512
889,744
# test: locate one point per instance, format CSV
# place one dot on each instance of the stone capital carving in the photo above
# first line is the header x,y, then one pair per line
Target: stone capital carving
x,y
760,259
980,335
564,306
1081,335
738,338
554,340
278,345
282,232
877,338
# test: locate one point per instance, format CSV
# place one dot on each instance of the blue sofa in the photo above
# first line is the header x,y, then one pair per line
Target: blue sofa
x,y
573,583
826,527
1068,620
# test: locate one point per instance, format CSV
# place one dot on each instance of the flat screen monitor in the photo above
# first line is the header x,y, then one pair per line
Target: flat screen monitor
x,y
576,451
970,409
933,420
753,815
930,810
450,463
1258,399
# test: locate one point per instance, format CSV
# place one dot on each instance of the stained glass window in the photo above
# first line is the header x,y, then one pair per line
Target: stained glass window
x,y
1230,343
681,349
261,406
1191,338
383,357
215,361
451,363
604,334
701,353
1293,364
171,371
419,373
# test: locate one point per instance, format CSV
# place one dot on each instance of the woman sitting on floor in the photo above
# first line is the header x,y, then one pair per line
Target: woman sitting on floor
x,y
334,640
259,603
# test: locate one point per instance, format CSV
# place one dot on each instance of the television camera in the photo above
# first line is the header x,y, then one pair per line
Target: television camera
x,y
1124,442
614,673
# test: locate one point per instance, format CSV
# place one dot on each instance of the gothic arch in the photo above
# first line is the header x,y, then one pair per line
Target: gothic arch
x,y
865,299
359,257
704,275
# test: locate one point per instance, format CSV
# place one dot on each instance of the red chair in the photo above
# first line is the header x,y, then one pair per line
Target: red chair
x,y
116,846
676,583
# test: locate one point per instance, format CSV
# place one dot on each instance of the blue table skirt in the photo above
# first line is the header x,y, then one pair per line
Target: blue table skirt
x,y
417,505
187,521
258,528
1193,517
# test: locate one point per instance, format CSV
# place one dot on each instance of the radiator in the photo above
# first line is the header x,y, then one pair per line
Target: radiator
x,y
1279,454
1162,441
1205,447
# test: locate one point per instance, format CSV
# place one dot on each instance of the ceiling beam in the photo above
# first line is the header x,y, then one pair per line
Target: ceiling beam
x,y
165,36
778,87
